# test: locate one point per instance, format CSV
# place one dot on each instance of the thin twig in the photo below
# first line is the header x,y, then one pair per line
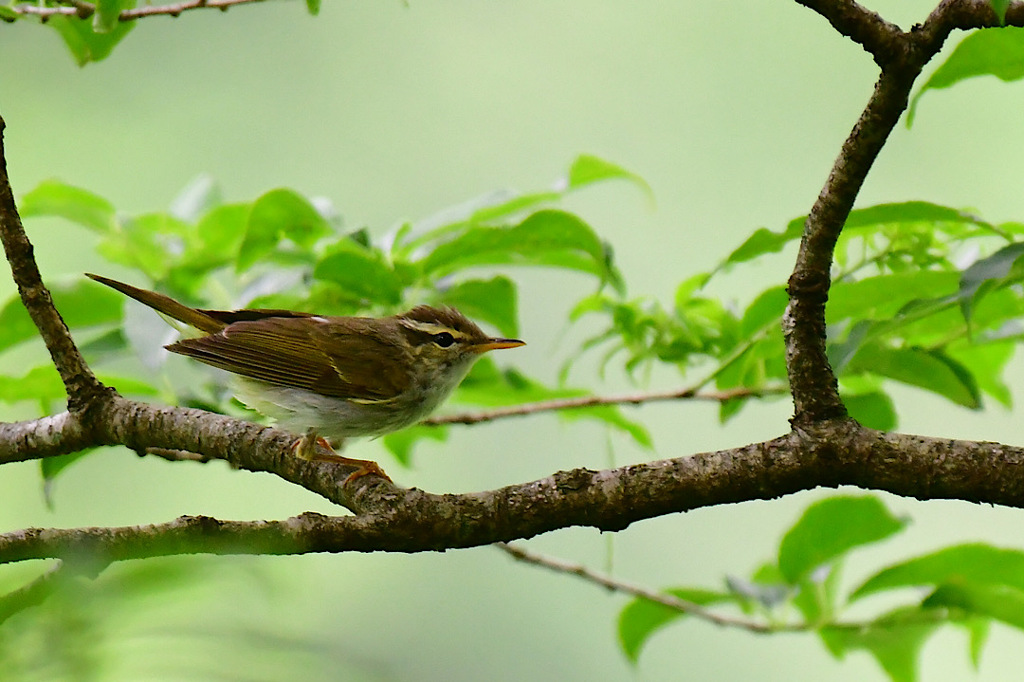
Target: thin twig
x,y
85,10
667,600
638,398
692,608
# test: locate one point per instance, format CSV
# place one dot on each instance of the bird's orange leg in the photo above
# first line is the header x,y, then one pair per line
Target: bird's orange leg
x,y
314,448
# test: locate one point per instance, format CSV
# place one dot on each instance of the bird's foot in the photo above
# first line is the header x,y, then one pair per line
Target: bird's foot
x,y
314,448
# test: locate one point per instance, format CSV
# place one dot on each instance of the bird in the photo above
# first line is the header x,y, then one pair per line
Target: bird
x,y
331,378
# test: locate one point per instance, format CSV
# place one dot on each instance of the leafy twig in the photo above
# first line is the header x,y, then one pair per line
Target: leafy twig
x,y
84,10
638,398
667,600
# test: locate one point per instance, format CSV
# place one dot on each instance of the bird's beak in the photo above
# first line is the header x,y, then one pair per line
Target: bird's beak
x,y
497,344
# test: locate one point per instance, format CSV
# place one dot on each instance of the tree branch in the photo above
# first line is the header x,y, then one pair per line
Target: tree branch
x,y
410,520
667,600
84,10
864,27
901,56
638,398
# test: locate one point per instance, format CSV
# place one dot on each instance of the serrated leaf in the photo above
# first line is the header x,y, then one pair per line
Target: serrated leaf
x,y
279,214
493,301
85,44
641,618
995,52
931,370
967,564
55,198
829,529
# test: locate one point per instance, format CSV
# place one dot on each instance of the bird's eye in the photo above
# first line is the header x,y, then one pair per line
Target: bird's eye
x,y
444,339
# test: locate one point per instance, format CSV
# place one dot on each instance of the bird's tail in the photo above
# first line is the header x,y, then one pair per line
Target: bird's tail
x,y
165,305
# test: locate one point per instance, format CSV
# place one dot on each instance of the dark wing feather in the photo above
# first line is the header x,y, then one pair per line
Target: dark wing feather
x,y
342,361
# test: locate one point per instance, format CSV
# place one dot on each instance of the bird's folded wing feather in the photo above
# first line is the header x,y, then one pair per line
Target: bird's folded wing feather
x,y
305,353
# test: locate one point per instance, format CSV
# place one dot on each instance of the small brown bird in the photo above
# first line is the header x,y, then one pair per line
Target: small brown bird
x,y
332,377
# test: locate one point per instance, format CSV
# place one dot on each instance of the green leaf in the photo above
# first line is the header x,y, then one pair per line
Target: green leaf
x,y
882,297
999,7
9,14
987,364
831,528
977,631
1004,603
995,52
488,386
55,198
874,410
985,274
587,169
313,7
931,370
81,304
280,214
401,443
764,241
493,300
765,310
548,237
968,564
39,384
360,273
108,13
87,45
641,618
895,640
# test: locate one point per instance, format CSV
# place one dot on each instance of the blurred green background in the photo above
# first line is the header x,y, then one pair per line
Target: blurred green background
x,y
733,112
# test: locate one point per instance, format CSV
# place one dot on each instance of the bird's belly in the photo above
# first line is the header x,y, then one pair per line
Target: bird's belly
x,y
334,418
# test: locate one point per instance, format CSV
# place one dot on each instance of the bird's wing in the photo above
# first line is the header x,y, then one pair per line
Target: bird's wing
x,y
308,353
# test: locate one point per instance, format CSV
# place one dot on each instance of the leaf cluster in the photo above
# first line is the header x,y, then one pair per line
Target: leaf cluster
x,y
923,295
969,586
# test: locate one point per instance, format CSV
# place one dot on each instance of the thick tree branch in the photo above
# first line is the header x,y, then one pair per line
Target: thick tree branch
x,y
864,27
409,520
901,56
